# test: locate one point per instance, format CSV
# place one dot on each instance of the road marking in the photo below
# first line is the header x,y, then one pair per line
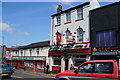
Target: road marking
x,y
17,77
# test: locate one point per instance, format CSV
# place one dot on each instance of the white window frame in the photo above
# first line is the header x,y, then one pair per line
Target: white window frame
x,y
37,51
80,33
58,19
68,16
80,13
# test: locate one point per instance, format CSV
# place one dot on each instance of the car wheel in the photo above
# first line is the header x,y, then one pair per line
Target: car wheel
x,y
9,76
62,79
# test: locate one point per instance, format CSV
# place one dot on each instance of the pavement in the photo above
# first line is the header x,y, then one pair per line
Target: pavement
x,y
36,73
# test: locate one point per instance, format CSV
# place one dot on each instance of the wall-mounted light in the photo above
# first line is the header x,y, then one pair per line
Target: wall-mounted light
x,y
74,32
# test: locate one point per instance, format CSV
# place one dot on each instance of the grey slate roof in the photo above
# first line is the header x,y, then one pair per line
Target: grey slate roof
x,y
34,45
71,9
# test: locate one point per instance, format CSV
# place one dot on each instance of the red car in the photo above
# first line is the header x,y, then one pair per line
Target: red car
x,y
94,70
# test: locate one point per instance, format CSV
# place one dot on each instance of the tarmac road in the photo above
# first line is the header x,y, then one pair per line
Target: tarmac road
x,y
29,75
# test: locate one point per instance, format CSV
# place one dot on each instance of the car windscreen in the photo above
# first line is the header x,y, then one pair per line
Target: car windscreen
x,y
3,66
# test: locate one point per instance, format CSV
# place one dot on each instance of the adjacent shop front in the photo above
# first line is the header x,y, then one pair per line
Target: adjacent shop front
x,y
105,32
31,63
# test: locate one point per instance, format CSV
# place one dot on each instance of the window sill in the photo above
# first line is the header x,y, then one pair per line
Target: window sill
x,y
79,19
67,22
57,25
57,65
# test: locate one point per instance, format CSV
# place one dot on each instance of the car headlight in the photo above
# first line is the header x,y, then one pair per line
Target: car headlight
x,y
11,70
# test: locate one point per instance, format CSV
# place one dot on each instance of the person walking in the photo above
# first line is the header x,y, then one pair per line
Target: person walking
x,y
24,67
71,67
47,68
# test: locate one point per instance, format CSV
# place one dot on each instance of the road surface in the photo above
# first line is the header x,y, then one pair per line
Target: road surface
x,y
27,75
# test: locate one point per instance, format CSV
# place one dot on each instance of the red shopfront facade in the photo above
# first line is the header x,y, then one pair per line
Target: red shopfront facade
x,y
18,63
67,54
31,63
70,52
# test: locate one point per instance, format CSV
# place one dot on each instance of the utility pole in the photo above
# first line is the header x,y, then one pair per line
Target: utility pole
x,y
2,49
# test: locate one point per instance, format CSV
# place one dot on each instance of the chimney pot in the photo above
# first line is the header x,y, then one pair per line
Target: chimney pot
x,y
59,9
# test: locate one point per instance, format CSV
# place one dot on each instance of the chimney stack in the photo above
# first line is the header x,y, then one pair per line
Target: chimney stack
x,y
59,9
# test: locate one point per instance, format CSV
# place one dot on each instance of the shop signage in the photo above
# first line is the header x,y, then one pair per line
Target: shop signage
x,y
28,58
72,51
15,57
59,38
39,58
56,68
106,49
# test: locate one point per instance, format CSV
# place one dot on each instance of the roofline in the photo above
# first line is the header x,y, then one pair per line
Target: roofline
x,y
71,9
105,6
28,46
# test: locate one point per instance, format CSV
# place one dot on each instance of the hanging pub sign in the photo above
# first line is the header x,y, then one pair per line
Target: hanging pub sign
x,y
59,38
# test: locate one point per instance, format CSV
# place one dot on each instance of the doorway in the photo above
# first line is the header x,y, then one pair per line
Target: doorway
x,y
66,64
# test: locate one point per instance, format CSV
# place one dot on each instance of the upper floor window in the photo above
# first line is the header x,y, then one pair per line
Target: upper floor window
x,y
16,52
79,13
106,38
68,16
24,53
21,52
30,52
58,19
37,52
68,35
80,34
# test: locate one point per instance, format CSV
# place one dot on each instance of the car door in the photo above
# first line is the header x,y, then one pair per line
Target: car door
x,y
86,70
103,69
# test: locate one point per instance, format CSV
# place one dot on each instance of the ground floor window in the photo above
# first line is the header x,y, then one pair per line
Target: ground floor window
x,y
31,64
40,64
57,61
27,63
77,62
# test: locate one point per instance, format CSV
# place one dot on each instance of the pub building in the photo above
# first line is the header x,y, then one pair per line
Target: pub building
x,y
70,42
105,32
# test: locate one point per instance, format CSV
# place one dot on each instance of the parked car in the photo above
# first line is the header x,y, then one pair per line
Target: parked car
x,y
11,66
6,70
93,70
